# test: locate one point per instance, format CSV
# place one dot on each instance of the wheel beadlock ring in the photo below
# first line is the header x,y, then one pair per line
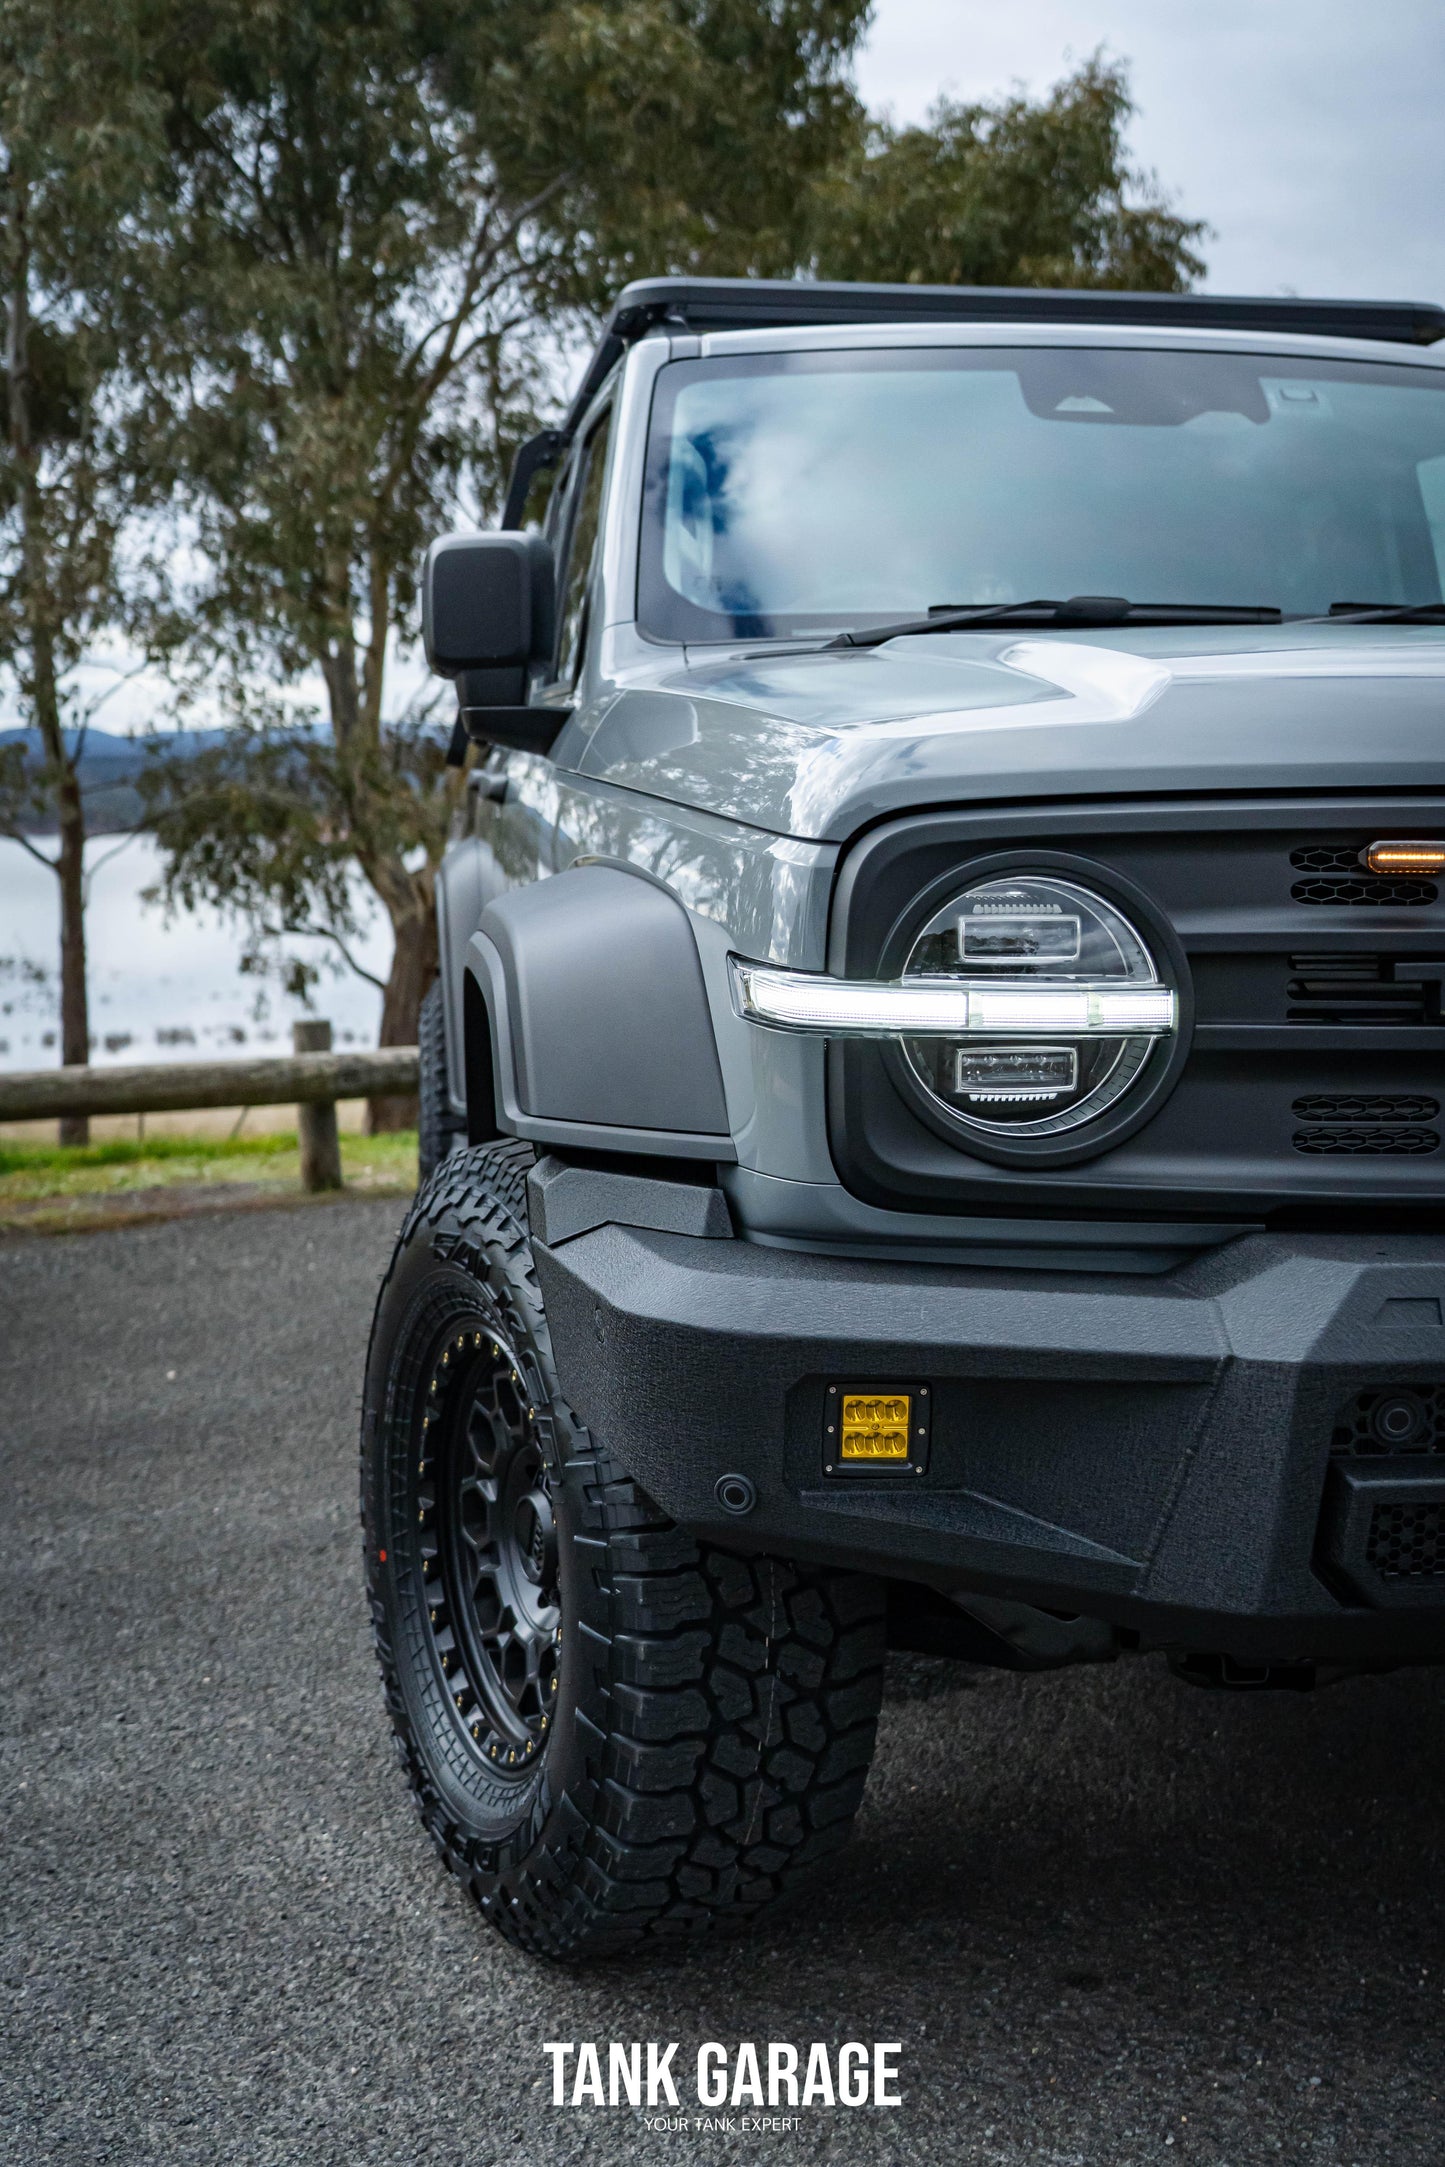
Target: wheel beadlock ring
x,y
488,1547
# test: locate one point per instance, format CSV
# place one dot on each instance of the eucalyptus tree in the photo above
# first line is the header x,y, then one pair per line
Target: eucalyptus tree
x,y
388,216
78,148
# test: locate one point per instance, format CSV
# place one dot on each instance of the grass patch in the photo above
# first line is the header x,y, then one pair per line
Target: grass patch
x,y
29,1173
127,1151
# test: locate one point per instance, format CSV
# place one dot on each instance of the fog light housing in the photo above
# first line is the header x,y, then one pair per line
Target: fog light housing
x,y
874,1426
875,1429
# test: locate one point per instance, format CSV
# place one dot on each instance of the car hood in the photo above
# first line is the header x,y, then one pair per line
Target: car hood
x,y
817,744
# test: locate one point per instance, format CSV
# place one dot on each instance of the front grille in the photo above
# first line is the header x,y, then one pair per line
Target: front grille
x,y
1340,878
1364,989
1311,1081
1407,1540
1365,1106
1325,858
1366,1143
1393,894
1389,1419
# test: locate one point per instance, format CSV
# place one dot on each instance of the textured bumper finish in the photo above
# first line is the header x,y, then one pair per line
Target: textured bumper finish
x,y
1154,1451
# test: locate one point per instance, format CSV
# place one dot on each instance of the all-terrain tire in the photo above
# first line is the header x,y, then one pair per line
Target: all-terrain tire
x,y
689,1741
439,1130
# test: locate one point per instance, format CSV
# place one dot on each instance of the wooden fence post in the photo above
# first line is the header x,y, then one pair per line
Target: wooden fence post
x,y
316,1128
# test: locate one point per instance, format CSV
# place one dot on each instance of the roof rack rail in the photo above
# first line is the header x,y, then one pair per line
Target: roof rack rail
x,y
755,304
749,304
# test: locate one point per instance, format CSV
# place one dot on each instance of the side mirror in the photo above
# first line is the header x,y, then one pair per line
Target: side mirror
x,y
488,606
489,613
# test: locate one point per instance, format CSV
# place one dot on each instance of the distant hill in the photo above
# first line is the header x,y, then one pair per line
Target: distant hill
x,y
109,766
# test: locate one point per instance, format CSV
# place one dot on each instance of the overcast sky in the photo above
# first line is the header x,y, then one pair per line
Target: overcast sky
x,y
1309,133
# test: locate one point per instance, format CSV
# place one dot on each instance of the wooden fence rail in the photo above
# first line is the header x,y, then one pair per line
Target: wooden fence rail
x,y
312,1081
37,1094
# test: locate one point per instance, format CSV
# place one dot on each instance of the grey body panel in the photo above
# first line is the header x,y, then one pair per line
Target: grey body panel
x,y
818,745
822,1217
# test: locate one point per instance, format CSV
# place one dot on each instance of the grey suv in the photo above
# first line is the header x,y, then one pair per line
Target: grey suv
x,y
932,1106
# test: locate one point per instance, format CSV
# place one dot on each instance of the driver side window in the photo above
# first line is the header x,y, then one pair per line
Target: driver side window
x,y
574,584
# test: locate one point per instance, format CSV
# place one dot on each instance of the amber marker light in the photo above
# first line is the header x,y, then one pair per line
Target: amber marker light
x,y
1405,857
875,1426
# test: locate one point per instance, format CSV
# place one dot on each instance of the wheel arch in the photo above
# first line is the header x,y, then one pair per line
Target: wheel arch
x,y
467,880
478,1066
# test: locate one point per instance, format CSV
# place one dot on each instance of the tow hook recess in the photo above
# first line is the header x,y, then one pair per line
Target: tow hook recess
x,y
1226,1674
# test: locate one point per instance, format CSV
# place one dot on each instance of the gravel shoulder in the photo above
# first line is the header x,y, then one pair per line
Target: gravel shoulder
x,y
1110,1918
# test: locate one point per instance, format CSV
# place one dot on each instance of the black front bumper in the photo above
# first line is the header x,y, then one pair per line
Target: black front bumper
x,y
1184,1456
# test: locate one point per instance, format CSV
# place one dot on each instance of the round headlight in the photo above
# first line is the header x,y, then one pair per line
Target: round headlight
x,y
1032,933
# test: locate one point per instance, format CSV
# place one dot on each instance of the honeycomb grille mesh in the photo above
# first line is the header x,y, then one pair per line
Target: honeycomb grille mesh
x,y
1366,1143
1365,1106
1339,877
1389,1419
1325,858
1388,894
1407,1540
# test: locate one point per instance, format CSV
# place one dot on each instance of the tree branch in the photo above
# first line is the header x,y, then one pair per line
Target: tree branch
x,y
38,855
326,933
105,858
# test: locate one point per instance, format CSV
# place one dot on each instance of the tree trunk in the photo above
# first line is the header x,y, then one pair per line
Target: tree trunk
x,y
38,635
74,994
354,696
413,967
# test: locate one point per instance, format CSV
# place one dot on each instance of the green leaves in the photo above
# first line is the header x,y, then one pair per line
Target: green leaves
x,y
264,822
1010,193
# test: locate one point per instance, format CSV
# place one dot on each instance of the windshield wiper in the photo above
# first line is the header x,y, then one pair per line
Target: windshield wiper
x,y
1384,613
1079,609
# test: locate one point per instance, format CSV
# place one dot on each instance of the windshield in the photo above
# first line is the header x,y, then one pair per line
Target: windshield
x,y
793,493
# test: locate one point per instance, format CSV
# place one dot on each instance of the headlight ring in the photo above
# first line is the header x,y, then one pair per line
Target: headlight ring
x,y
1054,920
1027,930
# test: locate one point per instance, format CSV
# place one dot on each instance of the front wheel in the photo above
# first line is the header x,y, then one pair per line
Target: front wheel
x,y
614,1733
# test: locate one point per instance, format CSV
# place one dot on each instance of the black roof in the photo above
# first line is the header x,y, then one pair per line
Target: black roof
x,y
753,304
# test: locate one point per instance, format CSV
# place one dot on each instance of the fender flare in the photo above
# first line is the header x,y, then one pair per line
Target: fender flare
x,y
601,1036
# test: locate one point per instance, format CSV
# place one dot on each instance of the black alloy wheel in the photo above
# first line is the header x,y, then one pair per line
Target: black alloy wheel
x,y
488,1545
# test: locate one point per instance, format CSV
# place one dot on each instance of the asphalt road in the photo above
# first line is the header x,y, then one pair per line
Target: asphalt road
x,y
1110,1918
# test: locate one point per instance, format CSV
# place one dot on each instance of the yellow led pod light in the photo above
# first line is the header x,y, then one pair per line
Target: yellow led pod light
x,y
843,1008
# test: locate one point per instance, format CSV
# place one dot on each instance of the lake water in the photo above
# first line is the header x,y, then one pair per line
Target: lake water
x,y
158,991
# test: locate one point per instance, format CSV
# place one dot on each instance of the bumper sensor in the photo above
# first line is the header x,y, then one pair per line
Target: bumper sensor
x,y
875,1430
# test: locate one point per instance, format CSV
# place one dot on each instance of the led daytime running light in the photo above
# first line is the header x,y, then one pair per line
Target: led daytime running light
x,y
1405,857
838,1008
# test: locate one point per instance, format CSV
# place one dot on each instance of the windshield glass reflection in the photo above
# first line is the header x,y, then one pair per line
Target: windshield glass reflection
x,y
807,492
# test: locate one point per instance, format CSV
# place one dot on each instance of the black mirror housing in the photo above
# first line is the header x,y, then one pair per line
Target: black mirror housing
x,y
489,609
